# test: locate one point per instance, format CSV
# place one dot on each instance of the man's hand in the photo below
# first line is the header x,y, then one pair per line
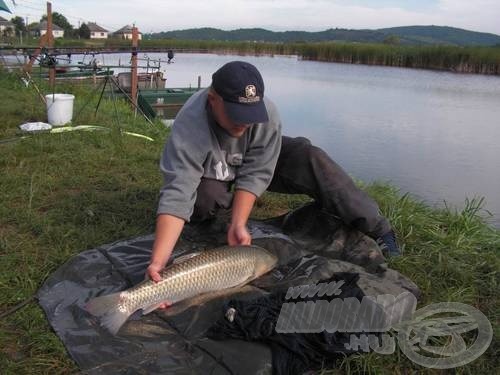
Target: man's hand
x,y
242,206
168,230
153,273
238,235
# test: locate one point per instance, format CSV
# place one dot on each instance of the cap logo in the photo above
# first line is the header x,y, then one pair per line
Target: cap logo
x,y
250,91
250,95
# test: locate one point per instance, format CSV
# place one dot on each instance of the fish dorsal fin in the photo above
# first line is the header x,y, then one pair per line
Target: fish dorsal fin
x,y
185,257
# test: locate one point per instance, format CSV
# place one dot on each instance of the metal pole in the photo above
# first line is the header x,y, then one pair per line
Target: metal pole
x,y
117,85
135,43
50,42
102,94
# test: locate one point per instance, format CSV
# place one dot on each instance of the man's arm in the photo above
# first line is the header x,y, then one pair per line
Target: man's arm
x,y
168,230
242,207
259,161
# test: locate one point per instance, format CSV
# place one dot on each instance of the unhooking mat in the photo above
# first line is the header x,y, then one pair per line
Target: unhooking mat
x,y
310,244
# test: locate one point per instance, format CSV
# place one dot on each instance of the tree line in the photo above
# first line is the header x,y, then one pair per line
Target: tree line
x,y
404,35
32,29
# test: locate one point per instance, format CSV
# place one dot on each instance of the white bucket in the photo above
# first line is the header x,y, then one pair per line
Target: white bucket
x,y
59,108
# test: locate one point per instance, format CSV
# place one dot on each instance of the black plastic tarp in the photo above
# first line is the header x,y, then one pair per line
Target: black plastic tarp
x,y
311,246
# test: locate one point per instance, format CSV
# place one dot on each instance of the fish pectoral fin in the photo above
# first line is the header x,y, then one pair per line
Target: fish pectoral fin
x,y
185,257
206,297
251,278
151,308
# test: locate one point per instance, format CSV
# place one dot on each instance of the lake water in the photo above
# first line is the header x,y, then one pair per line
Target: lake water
x,y
433,134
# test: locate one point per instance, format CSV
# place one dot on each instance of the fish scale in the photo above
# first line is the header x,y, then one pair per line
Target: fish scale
x,y
211,270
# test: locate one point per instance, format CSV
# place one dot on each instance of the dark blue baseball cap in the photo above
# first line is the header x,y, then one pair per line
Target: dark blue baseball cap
x,y
242,88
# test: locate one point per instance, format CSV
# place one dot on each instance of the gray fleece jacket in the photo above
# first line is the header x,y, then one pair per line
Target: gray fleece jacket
x,y
198,147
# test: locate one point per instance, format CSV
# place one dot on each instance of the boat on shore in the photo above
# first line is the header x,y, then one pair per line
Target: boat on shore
x,y
77,72
145,80
164,103
75,75
153,98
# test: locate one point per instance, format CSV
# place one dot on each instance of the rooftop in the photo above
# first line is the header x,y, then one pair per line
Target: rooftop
x,y
96,28
127,29
43,26
5,22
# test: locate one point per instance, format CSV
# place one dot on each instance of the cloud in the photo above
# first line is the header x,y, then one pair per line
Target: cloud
x,y
478,15
309,15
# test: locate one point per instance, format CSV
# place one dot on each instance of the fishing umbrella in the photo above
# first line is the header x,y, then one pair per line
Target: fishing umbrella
x,y
3,6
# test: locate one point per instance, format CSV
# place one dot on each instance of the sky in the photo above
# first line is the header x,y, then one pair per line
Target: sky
x,y
276,15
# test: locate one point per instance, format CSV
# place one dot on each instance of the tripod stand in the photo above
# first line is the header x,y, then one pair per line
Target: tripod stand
x,y
114,84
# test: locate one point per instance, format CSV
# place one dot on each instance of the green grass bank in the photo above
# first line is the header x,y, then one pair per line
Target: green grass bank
x,y
61,194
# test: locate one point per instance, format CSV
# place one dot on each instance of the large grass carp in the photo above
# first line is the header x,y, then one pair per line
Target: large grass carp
x,y
208,271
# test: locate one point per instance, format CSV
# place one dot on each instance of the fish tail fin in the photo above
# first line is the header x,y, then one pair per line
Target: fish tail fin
x,y
110,310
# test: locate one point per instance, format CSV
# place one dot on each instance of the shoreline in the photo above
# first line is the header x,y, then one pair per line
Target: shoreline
x,y
461,60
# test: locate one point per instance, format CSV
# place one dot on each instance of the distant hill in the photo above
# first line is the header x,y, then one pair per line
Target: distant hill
x,y
418,35
443,35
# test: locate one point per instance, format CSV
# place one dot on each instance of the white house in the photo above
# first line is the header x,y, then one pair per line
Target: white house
x,y
56,30
6,26
126,33
96,31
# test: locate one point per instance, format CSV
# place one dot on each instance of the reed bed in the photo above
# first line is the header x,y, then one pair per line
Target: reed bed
x,y
480,60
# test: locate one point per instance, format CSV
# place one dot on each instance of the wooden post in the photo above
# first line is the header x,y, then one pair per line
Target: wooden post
x,y
135,43
29,65
50,43
45,40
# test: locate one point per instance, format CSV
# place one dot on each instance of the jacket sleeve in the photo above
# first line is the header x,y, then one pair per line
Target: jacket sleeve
x,y
182,168
262,154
